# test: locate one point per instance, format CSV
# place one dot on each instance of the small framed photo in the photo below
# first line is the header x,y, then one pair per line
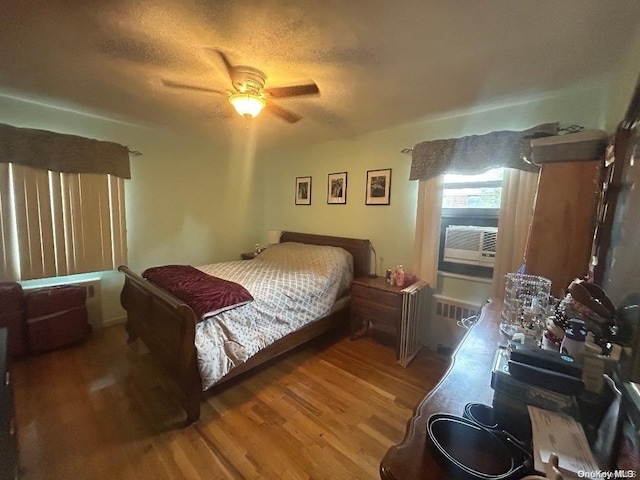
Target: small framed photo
x,y
378,187
337,188
303,190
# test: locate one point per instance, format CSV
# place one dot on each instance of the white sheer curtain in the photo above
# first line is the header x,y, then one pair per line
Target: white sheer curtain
x,y
427,237
516,211
56,224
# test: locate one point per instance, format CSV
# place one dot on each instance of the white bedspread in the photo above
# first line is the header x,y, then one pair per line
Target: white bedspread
x,y
292,285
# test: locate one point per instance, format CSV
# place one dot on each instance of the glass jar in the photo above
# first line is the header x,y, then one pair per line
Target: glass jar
x,y
526,299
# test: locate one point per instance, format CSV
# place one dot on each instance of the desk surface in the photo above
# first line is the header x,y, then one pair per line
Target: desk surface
x,y
467,380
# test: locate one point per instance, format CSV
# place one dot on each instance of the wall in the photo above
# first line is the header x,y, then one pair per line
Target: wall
x,y
188,201
391,228
622,82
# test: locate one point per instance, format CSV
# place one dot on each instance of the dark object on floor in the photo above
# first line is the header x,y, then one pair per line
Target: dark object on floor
x,y
56,317
12,317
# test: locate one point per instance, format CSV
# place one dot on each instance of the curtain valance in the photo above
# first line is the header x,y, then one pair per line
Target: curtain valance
x,y
476,153
62,153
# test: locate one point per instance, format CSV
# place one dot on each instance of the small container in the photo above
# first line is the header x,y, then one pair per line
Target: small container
x,y
399,276
574,338
548,342
388,276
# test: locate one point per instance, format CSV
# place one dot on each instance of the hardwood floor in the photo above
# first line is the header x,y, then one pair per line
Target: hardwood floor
x,y
103,410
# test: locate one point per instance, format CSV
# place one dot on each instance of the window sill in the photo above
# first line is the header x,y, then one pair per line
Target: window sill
x,y
470,278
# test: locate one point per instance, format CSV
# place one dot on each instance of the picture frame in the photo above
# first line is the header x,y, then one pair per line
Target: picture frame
x,y
378,187
303,191
337,188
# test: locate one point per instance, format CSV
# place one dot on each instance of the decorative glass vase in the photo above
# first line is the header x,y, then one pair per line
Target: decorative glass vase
x,y
526,299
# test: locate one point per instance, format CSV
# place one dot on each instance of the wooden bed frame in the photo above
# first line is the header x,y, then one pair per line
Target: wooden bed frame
x,y
167,325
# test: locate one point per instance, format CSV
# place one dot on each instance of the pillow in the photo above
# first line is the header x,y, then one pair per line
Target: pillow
x,y
205,294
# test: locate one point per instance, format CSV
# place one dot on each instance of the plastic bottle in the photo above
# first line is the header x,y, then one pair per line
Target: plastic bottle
x,y
574,338
400,276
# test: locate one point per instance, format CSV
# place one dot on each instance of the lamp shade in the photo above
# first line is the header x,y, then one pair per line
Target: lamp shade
x,y
273,236
247,104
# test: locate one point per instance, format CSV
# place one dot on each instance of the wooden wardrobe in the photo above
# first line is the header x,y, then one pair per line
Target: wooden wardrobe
x,y
559,246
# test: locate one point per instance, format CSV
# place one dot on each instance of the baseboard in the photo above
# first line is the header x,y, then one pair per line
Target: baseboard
x,y
114,321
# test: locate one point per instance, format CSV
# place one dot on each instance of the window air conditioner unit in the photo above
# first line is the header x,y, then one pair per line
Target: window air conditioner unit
x,y
471,245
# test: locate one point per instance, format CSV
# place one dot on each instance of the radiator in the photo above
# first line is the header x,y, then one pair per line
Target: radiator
x,y
414,312
447,326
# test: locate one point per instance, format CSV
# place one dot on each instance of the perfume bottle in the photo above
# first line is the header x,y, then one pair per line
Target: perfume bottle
x,y
399,276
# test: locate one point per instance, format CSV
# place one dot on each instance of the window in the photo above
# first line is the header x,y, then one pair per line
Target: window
x,y
468,232
473,191
56,224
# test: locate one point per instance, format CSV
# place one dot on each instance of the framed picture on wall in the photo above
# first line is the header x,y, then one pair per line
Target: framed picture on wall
x,y
337,188
378,187
303,190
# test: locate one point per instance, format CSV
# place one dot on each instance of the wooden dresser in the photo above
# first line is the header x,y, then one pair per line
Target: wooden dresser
x,y
467,380
8,437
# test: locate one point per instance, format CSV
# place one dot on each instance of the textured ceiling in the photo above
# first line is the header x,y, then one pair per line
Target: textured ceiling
x,y
377,63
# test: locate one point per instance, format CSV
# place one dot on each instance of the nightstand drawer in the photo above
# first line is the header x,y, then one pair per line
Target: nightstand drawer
x,y
380,297
375,312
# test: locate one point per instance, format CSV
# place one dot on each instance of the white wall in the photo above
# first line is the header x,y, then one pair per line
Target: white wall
x,y
621,83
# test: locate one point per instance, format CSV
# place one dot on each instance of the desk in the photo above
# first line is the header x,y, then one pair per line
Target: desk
x,y
468,379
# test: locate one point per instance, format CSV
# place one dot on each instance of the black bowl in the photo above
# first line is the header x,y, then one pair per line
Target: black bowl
x,y
472,451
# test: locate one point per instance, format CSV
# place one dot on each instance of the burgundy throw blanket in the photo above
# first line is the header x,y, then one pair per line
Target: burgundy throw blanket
x,y
205,294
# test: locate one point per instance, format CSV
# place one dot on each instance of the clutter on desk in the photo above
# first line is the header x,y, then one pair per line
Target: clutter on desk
x,y
570,358
558,405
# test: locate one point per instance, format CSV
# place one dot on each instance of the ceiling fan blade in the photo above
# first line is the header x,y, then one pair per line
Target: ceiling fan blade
x,y
293,91
278,111
226,61
172,84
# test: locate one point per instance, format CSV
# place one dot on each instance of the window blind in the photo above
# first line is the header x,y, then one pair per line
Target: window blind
x,y
56,224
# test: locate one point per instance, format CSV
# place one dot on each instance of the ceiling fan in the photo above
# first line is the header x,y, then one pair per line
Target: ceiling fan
x,y
249,96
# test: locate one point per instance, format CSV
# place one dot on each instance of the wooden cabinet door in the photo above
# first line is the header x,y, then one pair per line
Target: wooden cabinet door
x,y
564,220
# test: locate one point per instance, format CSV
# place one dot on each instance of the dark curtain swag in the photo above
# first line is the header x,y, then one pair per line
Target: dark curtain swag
x,y
62,153
477,153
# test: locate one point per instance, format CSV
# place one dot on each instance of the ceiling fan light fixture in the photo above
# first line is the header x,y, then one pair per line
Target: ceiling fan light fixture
x,y
247,104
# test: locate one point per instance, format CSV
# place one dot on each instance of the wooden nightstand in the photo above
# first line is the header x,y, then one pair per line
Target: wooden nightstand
x,y
373,300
